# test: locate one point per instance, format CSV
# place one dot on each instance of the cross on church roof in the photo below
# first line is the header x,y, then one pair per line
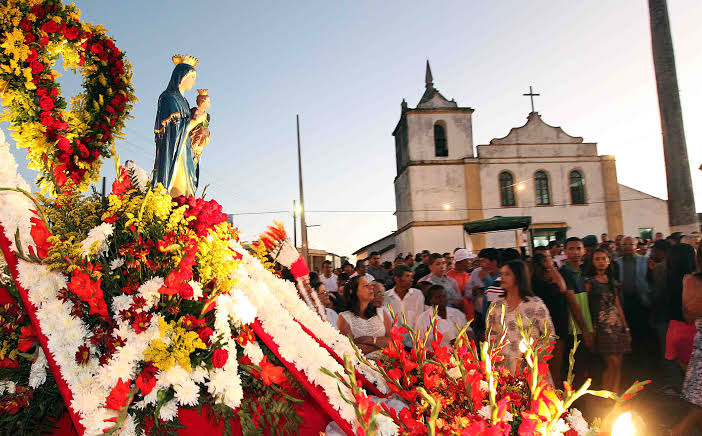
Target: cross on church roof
x,y
531,96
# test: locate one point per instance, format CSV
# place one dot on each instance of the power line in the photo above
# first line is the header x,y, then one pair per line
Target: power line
x,y
431,210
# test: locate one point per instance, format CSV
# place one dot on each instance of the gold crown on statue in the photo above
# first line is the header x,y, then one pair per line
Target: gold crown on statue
x,y
182,59
203,91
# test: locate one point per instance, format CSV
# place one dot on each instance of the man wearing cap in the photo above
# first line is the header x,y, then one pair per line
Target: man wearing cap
x,y
462,260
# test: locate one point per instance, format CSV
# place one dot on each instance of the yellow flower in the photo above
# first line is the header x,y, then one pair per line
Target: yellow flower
x,y
181,343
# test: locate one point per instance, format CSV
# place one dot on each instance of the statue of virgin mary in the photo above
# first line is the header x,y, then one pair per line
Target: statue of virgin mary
x,y
175,167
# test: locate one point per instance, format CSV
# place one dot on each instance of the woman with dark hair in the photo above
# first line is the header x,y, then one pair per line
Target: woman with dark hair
x,y
324,298
517,301
364,324
612,337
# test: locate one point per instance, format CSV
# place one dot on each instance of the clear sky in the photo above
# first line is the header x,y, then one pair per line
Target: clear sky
x,y
345,66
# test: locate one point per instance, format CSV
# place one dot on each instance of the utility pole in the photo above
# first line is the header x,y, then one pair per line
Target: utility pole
x,y
682,214
295,224
303,223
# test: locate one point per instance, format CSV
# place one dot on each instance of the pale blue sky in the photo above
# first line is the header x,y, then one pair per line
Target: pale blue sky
x,y
346,66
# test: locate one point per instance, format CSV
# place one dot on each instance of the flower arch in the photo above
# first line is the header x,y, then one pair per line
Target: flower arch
x,y
65,142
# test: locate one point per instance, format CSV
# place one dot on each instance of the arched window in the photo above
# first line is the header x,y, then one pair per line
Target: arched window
x,y
543,196
577,187
440,145
507,189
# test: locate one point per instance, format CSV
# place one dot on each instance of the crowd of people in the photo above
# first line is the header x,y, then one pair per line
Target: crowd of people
x,y
634,305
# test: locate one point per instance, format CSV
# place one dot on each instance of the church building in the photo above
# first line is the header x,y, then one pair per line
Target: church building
x,y
536,170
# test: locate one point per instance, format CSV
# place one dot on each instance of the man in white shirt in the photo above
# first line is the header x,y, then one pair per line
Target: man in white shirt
x,y
362,270
328,277
404,299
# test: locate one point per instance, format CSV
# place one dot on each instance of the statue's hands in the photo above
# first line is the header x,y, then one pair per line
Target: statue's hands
x,y
199,116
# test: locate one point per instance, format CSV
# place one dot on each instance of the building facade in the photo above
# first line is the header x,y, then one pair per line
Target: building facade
x,y
537,170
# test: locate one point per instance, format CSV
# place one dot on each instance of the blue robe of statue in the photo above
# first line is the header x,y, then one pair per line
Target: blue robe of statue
x,y
174,167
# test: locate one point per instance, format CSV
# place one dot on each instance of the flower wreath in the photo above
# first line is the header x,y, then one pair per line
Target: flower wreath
x,y
65,146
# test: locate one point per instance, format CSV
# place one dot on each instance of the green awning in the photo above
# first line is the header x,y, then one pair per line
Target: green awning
x,y
497,223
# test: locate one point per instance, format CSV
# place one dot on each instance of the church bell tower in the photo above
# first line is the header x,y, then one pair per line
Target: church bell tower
x,y
431,142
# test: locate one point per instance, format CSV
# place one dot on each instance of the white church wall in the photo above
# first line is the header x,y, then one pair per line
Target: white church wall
x,y
432,188
439,239
459,134
581,220
506,239
641,210
403,199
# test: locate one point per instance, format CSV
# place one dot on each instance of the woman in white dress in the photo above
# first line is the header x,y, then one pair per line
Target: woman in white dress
x,y
449,321
364,324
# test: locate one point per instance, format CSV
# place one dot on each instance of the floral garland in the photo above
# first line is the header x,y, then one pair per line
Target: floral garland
x,y
65,146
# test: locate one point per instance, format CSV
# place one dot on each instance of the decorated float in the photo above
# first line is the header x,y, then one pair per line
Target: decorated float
x,y
141,312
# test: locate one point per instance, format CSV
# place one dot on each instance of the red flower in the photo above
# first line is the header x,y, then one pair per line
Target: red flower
x,y
43,40
89,291
141,322
38,11
219,358
33,56
118,397
25,24
83,355
40,235
121,185
29,38
8,363
271,373
146,380
71,32
28,337
191,323
64,145
37,67
96,48
205,334
50,26
46,103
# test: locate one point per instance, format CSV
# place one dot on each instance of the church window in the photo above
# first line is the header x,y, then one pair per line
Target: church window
x,y
507,189
543,196
440,145
577,187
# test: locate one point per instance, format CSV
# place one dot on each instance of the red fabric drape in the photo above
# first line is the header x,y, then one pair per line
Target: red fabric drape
x,y
315,391
31,311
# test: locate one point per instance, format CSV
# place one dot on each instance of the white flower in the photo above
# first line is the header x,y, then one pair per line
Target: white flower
x,y
37,374
169,410
97,235
559,427
486,412
197,289
253,351
455,372
139,174
116,263
484,386
577,422
149,290
187,393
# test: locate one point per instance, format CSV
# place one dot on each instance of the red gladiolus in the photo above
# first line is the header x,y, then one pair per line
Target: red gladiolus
x,y
118,397
28,337
271,374
40,235
89,291
219,358
146,381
